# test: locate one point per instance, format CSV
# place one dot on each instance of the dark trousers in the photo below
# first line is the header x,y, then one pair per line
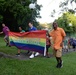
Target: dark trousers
x,y
47,47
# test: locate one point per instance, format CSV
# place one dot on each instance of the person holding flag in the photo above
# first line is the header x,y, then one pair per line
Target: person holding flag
x,y
32,28
21,31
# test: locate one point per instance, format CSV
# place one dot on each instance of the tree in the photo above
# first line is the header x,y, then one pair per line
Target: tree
x,y
17,13
64,21
65,8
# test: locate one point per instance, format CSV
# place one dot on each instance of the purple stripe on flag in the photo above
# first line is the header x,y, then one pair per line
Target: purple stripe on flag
x,y
30,47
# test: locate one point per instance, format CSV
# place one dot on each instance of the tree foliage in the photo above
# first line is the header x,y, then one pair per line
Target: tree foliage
x,y
17,13
64,21
65,8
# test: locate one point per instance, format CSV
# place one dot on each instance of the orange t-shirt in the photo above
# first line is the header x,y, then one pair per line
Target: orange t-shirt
x,y
57,37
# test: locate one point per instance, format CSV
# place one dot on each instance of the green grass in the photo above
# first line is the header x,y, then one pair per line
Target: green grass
x,y
36,66
8,50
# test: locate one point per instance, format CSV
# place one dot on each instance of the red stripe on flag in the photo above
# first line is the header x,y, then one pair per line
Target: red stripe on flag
x,y
33,34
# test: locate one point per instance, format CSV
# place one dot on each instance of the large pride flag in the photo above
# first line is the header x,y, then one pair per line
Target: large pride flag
x,y
33,41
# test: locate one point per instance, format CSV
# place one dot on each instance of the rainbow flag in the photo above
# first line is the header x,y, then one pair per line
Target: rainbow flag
x,y
33,41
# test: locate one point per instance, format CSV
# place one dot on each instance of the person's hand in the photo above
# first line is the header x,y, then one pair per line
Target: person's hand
x,y
22,32
1,32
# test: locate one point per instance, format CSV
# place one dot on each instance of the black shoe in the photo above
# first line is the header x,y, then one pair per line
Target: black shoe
x,y
60,65
7,44
18,54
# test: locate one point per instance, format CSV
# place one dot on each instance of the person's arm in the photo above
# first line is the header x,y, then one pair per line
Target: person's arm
x,y
8,29
1,32
63,36
34,29
62,43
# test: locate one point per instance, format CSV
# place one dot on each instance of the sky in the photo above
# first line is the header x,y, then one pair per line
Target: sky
x,y
48,6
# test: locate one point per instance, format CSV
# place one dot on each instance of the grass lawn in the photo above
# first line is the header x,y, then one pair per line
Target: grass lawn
x,y
36,66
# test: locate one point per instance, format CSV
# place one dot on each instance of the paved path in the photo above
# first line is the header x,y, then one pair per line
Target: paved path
x,y
24,56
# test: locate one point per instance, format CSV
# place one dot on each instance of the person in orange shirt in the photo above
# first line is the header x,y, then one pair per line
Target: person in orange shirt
x,y
57,35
